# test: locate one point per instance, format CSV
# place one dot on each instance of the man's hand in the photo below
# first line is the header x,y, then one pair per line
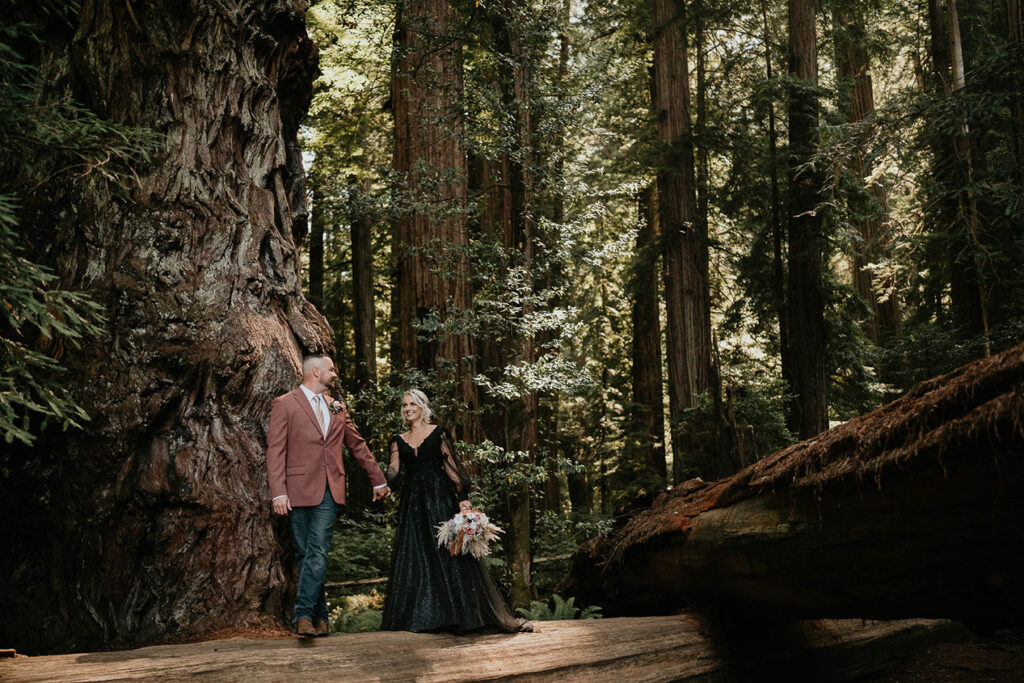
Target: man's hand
x,y
282,505
381,493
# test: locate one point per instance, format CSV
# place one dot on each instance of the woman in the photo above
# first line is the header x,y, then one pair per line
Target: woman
x,y
429,589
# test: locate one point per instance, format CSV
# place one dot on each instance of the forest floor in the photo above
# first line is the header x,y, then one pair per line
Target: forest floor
x,y
626,649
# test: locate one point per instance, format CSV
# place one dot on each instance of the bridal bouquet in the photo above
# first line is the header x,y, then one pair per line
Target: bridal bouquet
x,y
469,533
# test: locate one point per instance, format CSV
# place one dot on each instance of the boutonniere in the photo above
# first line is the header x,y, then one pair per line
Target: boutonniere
x,y
334,405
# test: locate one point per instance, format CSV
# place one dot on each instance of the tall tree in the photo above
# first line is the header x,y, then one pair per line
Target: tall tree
x,y
548,423
778,230
154,521
871,217
519,224
364,312
431,231
806,230
648,407
685,249
1015,38
953,168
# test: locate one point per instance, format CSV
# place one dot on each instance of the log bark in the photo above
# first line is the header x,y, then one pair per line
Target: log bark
x,y
913,510
678,648
155,520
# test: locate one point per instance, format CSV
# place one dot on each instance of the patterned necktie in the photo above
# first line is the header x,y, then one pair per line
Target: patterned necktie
x,y
320,414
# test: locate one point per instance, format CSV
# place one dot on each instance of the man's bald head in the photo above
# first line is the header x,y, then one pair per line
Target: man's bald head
x,y
318,372
313,360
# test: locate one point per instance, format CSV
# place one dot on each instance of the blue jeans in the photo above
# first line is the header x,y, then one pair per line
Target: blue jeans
x,y
312,528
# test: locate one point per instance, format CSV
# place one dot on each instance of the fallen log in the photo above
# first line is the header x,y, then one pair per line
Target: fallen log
x,y
913,510
676,648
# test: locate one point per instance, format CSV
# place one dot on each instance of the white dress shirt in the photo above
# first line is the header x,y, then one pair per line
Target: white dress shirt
x,y
314,400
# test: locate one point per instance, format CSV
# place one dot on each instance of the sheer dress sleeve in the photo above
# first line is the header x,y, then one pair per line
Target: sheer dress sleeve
x,y
452,467
394,473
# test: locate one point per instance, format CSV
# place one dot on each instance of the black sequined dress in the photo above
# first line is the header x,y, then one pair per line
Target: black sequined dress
x,y
429,589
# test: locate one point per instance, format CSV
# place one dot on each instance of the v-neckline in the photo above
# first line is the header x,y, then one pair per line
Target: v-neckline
x,y
422,441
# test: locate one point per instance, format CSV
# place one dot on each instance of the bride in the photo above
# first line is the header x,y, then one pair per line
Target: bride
x,y
428,588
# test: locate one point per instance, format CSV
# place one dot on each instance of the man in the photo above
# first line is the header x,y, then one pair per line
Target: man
x,y
307,479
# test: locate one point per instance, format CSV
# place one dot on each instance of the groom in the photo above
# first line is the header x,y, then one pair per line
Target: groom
x,y
307,479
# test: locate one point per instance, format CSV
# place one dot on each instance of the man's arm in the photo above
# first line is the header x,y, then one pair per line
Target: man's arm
x,y
357,445
277,443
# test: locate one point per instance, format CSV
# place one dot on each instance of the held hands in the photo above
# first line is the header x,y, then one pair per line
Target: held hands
x,y
282,505
381,493
465,506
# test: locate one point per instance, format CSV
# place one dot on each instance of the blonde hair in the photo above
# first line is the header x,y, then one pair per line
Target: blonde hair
x,y
420,399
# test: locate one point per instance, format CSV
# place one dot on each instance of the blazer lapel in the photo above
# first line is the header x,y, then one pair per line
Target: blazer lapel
x,y
305,407
336,423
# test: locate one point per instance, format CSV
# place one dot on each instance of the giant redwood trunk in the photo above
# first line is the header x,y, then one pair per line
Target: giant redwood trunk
x,y
431,197
685,249
806,299
913,510
154,521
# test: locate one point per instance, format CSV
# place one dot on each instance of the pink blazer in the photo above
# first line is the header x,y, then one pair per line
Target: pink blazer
x,y
300,460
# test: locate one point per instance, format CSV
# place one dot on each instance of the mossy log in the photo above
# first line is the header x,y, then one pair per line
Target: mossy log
x,y
913,510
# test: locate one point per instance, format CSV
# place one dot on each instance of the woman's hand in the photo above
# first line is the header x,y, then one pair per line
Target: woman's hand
x,y
465,506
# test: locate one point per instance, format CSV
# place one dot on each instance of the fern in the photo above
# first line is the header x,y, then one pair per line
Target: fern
x,y
564,610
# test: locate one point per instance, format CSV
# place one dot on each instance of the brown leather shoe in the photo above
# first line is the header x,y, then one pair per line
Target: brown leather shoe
x,y
304,627
322,629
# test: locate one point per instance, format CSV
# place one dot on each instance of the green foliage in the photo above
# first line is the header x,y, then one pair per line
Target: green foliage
x,y
360,548
358,613
556,535
45,139
34,317
563,610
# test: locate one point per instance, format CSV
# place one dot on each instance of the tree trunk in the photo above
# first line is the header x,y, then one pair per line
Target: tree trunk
x,y
778,229
364,332
872,216
431,167
648,407
519,231
364,312
685,255
1015,37
548,401
953,168
155,520
915,509
809,414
